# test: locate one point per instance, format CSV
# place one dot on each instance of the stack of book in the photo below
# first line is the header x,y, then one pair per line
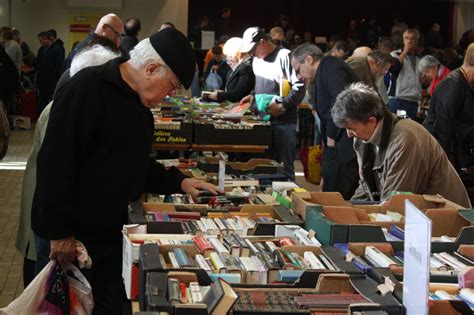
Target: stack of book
x,y
448,263
303,301
466,295
240,260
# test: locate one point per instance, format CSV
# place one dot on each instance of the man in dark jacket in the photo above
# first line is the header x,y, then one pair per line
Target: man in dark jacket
x,y
132,28
331,76
48,69
95,157
451,113
110,26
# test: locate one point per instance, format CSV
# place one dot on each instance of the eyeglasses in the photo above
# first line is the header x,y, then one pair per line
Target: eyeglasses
x,y
117,34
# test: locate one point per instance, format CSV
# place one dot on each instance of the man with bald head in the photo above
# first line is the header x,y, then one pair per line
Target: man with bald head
x,y
110,26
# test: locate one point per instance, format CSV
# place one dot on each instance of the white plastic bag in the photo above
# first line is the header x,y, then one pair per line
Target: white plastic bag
x,y
80,294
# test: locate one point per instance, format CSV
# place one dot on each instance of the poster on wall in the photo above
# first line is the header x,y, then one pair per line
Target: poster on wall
x,y
207,39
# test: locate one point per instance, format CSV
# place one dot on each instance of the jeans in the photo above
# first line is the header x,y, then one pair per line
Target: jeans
x,y
43,248
398,104
283,148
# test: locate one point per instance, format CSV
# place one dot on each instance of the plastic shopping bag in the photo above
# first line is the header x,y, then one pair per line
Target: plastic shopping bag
x,y
311,160
54,291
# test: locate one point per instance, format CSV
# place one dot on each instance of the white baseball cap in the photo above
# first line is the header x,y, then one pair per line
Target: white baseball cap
x,y
251,37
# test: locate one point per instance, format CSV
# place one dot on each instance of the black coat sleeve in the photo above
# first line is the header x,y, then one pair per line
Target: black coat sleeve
x,y
337,80
243,87
74,117
447,100
163,181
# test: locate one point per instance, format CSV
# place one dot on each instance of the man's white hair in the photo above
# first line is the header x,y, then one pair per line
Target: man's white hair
x,y
143,54
91,56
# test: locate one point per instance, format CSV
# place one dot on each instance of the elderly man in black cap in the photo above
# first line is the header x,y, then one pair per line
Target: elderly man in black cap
x,y
95,157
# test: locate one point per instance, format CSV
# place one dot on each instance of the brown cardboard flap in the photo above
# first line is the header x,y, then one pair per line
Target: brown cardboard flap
x,y
328,199
359,248
452,289
442,307
445,221
467,250
342,215
159,207
183,276
397,203
361,215
334,283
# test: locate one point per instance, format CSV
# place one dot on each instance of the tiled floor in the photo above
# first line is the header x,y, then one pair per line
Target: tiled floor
x,y
11,176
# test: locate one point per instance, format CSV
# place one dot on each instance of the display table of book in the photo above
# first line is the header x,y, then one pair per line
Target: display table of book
x,y
325,255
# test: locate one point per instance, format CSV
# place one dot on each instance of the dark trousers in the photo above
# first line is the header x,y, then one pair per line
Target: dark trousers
x,y
28,271
410,107
283,147
105,276
45,95
338,175
43,248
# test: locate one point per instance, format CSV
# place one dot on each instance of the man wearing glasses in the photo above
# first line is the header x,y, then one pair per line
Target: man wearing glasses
x,y
110,26
94,158
271,66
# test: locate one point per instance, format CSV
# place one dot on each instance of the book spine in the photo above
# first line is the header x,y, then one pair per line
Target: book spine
x,y
182,258
201,262
378,257
219,247
173,260
217,262
173,291
313,260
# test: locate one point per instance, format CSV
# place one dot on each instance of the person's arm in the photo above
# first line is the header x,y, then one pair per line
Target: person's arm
x,y
446,102
162,180
336,82
298,89
245,84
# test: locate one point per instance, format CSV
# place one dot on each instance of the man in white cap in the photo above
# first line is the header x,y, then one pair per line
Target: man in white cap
x,y
272,66
95,157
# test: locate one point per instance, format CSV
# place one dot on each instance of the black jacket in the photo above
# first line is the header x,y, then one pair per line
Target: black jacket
x,y
95,157
48,65
332,76
240,83
451,118
127,44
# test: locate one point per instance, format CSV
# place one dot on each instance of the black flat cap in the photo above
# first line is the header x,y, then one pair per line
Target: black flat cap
x,y
177,52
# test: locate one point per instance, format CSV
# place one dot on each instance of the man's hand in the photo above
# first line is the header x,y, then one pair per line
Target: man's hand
x,y
213,96
331,142
192,187
63,250
247,99
274,109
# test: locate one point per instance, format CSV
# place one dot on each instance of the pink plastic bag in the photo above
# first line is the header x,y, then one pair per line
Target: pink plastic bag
x,y
54,291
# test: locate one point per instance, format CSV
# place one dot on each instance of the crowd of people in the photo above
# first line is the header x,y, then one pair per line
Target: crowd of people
x,y
95,119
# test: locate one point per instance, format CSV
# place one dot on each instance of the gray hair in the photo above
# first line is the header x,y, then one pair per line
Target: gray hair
x,y
143,54
381,57
91,56
307,50
427,62
358,102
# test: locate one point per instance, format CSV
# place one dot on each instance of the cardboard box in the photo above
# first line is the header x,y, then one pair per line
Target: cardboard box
x,y
333,218
130,250
253,166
